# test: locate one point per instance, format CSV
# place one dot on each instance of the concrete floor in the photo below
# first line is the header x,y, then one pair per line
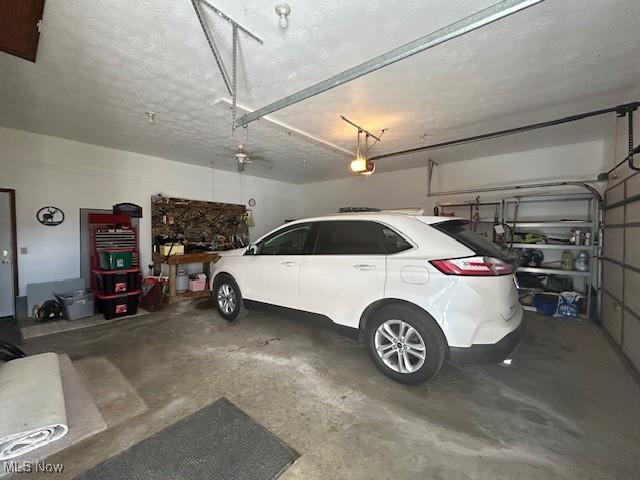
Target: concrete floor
x,y
566,407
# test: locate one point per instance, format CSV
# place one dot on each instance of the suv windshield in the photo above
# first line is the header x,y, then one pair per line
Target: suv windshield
x,y
460,230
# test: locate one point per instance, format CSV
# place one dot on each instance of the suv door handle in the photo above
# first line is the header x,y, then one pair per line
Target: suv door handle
x,y
288,264
364,267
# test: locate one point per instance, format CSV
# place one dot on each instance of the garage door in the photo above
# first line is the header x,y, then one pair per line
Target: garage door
x,y
621,263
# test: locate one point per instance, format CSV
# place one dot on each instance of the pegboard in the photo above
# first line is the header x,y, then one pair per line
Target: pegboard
x,y
199,222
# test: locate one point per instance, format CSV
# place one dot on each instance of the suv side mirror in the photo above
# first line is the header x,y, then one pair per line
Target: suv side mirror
x,y
252,249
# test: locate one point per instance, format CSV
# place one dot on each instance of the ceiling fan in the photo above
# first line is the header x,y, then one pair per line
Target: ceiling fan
x,y
242,159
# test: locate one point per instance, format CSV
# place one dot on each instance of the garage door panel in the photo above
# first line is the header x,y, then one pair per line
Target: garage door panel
x,y
633,186
632,290
614,216
633,212
620,308
612,317
619,175
632,246
612,279
613,243
631,338
614,195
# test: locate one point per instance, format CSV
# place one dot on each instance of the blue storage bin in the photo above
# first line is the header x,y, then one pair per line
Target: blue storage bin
x,y
546,303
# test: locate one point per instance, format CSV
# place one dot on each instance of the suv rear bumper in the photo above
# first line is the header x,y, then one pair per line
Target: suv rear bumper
x,y
489,353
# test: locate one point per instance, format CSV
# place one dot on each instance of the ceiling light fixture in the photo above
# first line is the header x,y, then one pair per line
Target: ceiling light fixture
x,y
151,117
371,167
360,164
283,10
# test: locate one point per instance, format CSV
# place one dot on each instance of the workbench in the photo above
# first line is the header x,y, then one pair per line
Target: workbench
x,y
205,258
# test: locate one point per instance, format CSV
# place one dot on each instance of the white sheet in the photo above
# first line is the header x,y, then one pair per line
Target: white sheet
x,y
32,404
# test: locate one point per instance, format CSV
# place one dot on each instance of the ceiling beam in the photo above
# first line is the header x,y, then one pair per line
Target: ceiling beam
x,y
479,19
288,130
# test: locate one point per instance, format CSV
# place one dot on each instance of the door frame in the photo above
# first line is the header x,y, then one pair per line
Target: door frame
x,y
14,240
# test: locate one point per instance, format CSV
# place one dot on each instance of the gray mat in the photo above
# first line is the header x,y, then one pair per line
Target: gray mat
x,y
219,442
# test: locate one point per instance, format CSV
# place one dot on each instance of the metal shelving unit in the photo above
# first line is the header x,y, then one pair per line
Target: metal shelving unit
x,y
587,219
583,215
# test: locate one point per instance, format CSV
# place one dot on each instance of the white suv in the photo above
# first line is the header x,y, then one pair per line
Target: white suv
x,y
419,289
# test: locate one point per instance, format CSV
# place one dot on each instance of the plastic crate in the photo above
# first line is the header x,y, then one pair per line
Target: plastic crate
x,y
77,304
117,281
118,305
116,258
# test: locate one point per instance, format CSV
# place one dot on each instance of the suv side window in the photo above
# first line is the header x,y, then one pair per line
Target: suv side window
x,y
350,237
294,240
392,241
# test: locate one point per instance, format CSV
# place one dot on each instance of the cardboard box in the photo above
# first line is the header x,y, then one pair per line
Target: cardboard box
x,y
178,249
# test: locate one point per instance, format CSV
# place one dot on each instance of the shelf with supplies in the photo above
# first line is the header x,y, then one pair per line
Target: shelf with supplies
x,y
554,271
553,224
552,246
546,230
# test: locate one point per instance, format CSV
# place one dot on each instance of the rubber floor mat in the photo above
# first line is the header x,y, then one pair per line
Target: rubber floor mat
x,y
218,442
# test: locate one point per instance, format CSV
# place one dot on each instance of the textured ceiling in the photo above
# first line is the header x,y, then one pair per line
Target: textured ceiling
x,y
101,65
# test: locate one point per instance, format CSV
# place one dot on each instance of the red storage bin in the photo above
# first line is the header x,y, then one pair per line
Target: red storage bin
x,y
110,282
118,305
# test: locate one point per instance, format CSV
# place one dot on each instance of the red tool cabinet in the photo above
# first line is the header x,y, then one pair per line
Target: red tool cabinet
x,y
114,231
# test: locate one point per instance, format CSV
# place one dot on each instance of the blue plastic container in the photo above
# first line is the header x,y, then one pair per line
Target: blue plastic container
x,y
546,303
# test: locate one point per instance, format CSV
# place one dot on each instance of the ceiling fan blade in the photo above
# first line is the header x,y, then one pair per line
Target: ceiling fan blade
x,y
261,159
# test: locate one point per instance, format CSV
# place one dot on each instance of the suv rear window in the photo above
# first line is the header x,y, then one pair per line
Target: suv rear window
x,y
460,230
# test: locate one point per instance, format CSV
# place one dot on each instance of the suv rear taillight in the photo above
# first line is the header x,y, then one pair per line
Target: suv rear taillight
x,y
474,266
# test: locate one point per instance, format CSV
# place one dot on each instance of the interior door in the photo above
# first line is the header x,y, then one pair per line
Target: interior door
x,y
271,275
7,249
346,273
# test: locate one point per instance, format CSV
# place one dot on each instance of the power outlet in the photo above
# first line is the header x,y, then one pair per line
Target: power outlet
x,y
23,251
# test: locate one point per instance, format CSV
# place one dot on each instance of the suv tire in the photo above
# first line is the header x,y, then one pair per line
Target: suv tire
x,y
405,343
227,298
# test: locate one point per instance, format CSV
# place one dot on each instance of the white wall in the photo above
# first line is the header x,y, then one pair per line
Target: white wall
x,y
408,188
70,175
